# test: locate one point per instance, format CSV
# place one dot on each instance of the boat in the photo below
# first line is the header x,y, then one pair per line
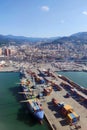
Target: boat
x,y
22,73
25,84
33,104
35,108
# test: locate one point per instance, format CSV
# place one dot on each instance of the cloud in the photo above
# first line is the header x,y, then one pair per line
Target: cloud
x,y
84,12
45,8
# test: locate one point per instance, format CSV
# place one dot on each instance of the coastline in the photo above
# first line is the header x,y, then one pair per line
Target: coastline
x,y
49,114
14,69
53,69
9,69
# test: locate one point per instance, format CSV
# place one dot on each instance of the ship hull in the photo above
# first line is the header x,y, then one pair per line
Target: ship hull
x,y
39,115
33,105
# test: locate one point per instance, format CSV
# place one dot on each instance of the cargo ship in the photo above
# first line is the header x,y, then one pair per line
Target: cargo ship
x,y
33,104
35,108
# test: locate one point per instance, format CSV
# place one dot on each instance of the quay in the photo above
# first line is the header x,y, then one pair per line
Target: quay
x,y
52,114
59,90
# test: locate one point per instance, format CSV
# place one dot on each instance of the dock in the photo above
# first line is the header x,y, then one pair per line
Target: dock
x,y
52,114
55,119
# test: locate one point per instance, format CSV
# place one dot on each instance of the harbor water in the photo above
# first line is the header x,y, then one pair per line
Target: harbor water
x,y
13,116
78,77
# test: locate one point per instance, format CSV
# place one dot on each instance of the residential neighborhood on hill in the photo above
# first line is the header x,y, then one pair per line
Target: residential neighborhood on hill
x,y
63,50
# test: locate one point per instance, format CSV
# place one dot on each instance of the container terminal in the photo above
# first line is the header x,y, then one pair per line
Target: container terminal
x,y
63,101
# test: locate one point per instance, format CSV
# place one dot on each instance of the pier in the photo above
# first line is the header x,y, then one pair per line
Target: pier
x,y
55,119
53,116
52,86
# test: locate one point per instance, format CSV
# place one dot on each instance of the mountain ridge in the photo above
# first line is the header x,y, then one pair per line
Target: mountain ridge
x,y
76,38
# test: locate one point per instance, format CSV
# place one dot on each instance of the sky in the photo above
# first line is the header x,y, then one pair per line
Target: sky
x,y
43,18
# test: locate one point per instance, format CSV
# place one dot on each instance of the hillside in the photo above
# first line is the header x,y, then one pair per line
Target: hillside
x,y
77,38
6,39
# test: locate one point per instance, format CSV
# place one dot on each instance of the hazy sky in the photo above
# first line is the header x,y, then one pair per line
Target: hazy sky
x,y
43,18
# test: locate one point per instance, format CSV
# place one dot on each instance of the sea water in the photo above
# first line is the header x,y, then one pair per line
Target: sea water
x,y
13,116
78,77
